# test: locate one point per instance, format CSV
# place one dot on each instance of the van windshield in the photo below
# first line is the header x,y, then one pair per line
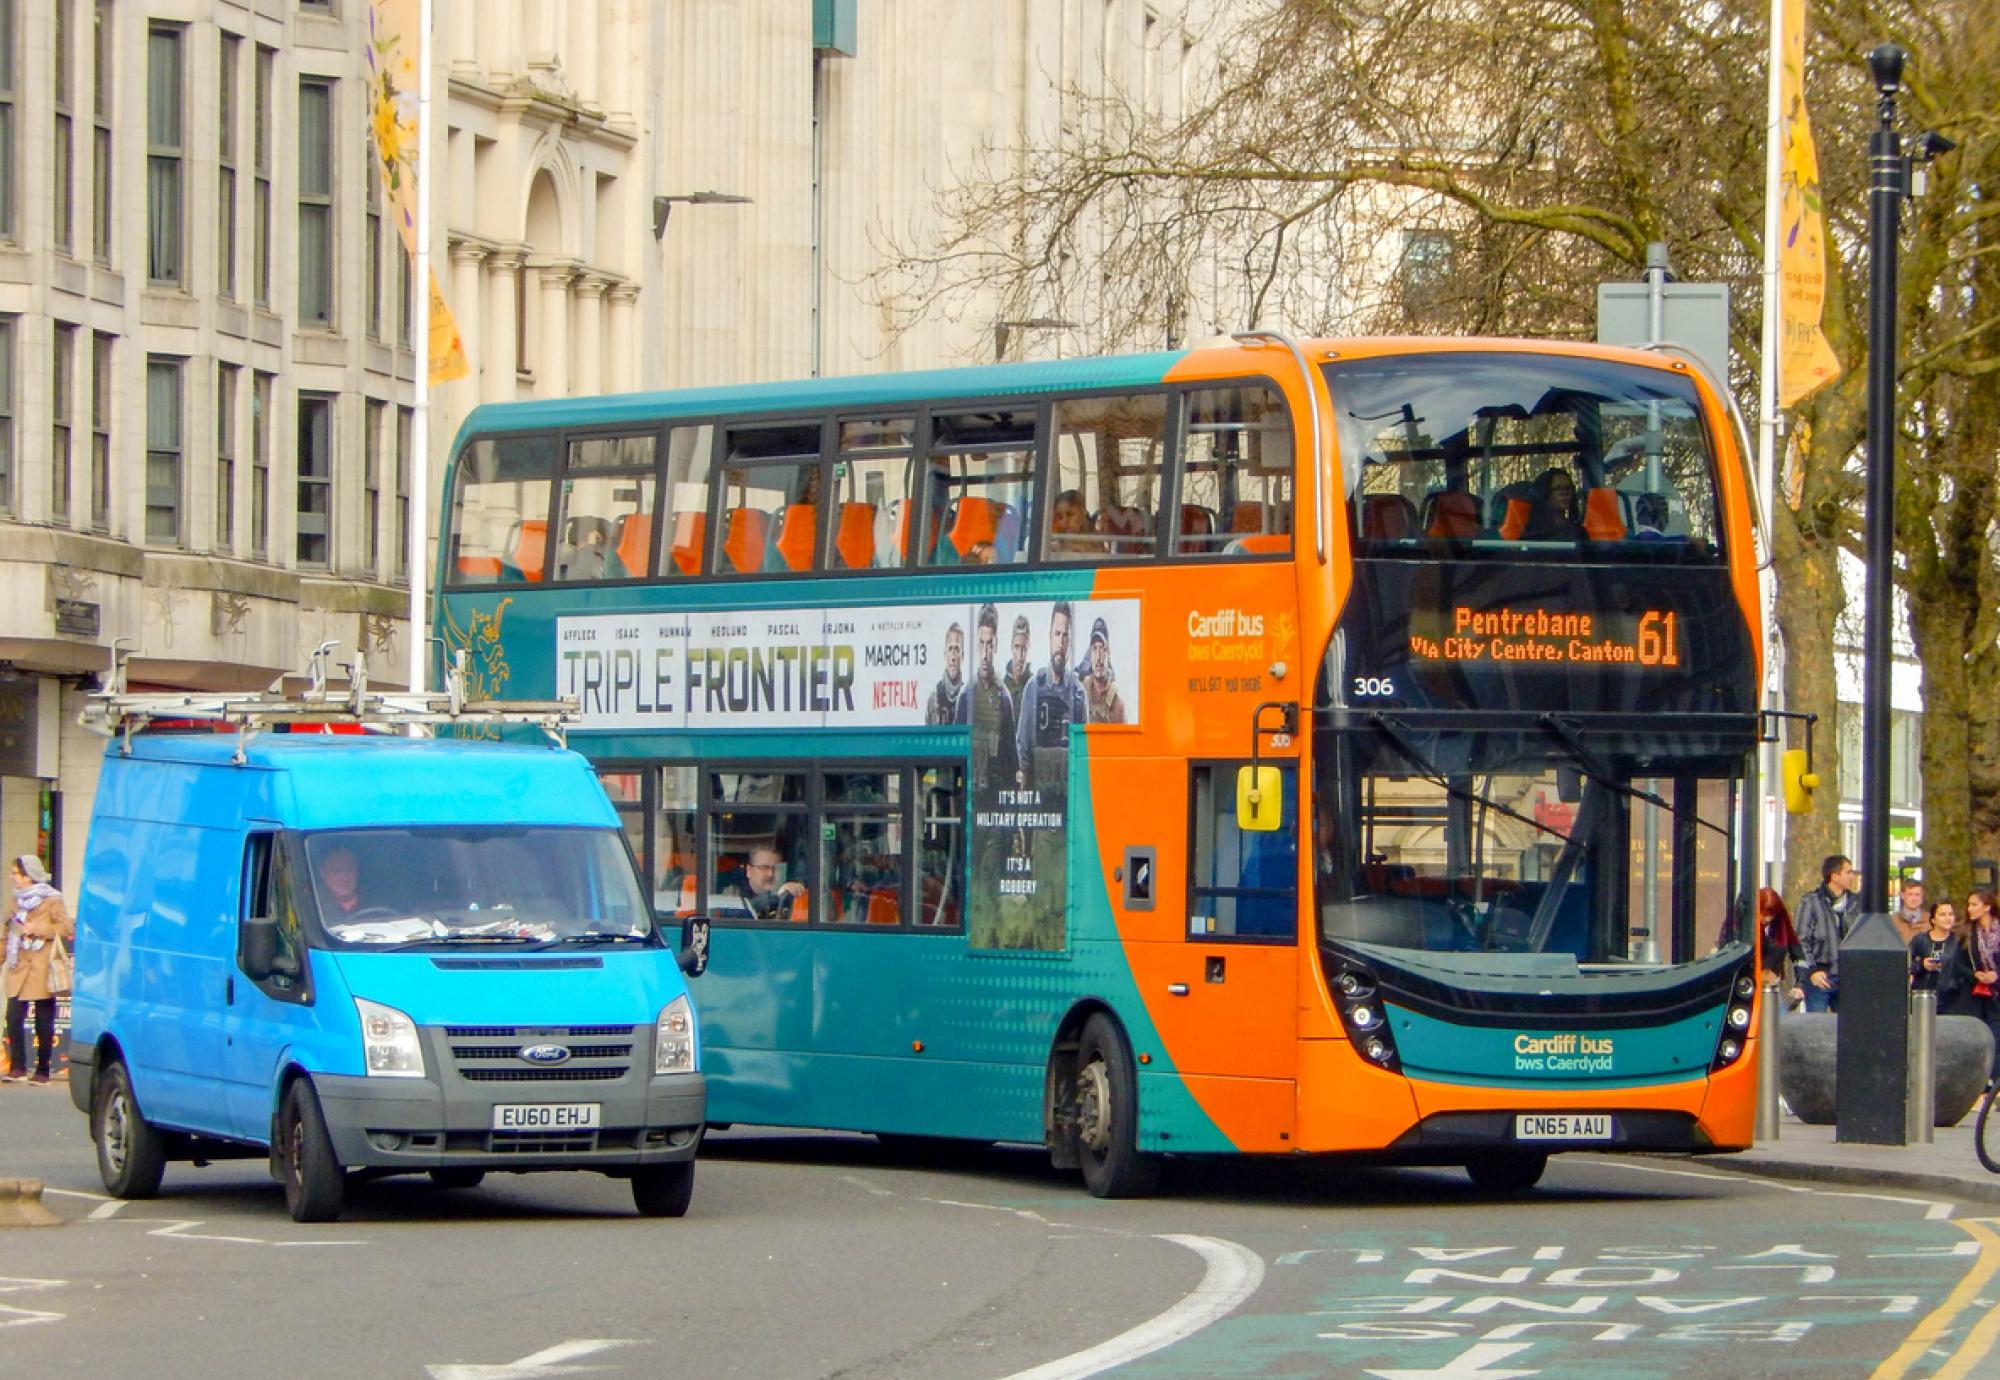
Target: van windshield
x,y
420,887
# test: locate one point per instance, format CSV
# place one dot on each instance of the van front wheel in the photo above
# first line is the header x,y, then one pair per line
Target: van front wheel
x,y
131,1154
315,1182
663,1190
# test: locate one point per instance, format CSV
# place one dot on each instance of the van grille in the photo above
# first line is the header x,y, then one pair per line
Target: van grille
x,y
542,1143
492,1053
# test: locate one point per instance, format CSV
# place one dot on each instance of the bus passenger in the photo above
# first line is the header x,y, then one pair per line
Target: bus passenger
x,y
1052,702
761,891
943,706
1069,525
1101,701
1018,669
1554,516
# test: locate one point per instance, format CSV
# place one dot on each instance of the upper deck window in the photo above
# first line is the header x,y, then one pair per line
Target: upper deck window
x,y
500,514
605,530
1236,474
1105,469
770,499
982,489
1514,455
871,487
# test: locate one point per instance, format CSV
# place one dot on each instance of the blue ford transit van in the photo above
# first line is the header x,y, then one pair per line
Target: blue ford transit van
x,y
375,954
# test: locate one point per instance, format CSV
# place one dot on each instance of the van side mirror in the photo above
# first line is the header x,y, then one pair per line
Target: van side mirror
x,y
693,956
1260,799
260,947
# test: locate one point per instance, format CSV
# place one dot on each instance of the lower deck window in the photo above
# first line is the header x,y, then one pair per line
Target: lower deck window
x,y
1241,884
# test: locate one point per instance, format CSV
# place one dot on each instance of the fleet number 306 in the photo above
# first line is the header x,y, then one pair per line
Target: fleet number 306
x,y
1373,687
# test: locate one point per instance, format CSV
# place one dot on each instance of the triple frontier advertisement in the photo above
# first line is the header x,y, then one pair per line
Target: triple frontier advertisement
x,y
1017,676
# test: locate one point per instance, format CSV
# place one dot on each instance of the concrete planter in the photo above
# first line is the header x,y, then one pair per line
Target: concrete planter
x,y
1806,1044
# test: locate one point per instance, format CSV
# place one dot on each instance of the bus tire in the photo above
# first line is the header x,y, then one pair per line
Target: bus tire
x,y
131,1152
1507,1171
315,1182
1107,1115
663,1190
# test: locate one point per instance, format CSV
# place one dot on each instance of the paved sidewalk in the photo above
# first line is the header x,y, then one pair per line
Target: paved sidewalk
x,y
1947,1167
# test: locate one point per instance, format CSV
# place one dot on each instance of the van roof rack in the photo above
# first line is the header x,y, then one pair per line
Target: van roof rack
x,y
118,713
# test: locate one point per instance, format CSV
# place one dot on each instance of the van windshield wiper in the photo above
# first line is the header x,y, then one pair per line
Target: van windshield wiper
x,y
1598,772
1397,735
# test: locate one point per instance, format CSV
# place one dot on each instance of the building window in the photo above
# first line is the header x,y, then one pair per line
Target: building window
x,y
400,561
261,386
101,217
371,290
315,505
61,407
65,149
260,208
163,154
163,449
230,63
7,326
100,432
401,259
226,376
373,413
1427,272
316,202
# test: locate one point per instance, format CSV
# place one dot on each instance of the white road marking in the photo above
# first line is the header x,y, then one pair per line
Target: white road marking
x,y
12,1285
26,1317
1470,1366
552,1360
104,1212
1935,1210
1234,1274
183,1230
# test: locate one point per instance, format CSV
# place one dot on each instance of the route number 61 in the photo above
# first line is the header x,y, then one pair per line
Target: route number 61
x,y
1373,687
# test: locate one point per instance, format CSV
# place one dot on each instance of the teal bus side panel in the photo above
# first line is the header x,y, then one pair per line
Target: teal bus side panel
x,y
822,1027
1526,1057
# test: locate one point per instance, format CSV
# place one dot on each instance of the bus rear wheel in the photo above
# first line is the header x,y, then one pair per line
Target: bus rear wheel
x,y
1107,1115
1507,1171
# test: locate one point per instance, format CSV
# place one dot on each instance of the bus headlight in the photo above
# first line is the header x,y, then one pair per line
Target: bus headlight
x,y
389,1044
1363,1014
1736,1018
673,1038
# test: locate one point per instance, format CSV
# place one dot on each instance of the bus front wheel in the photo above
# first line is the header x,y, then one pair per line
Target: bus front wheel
x,y
1507,1171
1107,1115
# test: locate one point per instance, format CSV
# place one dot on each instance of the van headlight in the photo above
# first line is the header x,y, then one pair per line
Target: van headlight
x,y
389,1044
673,1038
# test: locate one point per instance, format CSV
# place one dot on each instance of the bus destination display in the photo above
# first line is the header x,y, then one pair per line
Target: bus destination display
x,y
1550,637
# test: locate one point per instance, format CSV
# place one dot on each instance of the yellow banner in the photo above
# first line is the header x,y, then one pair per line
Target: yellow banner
x,y
395,47
1806,361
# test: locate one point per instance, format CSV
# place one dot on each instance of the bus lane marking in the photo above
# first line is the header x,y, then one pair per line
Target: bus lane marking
x,y
1234,1273
1979,1341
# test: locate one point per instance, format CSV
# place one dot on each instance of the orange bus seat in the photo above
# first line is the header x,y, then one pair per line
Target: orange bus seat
x,y
1453,513
1196,521
743,539
631,548
1264,543
687,895
690,534
854,538
799,907
1604,515
1387,517
527,551
479,567
797,526
1515,520
1131,526
1249,517
884,907
975,520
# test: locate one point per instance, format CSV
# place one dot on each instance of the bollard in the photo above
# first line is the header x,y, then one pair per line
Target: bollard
x,y
1872,1035
1920,1125
1767,1059
21,1205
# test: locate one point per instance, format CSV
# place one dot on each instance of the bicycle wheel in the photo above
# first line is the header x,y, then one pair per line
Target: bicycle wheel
x,y
1979,1128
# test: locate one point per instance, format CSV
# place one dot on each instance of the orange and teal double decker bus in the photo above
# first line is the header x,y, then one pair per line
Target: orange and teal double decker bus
x,y
1340,747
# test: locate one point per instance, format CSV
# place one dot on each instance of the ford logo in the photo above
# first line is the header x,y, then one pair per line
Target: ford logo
x,y
545,1054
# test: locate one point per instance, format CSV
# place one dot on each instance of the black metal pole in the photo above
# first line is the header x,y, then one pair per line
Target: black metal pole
x,y
1887,186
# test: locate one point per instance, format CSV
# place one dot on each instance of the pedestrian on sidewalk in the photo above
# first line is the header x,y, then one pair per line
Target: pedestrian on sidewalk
x,y
1969,981
1823,919
1927,949
1781,941
1909,913
39,920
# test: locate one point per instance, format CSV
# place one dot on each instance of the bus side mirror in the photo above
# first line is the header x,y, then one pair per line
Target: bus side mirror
x,y
693,956
1800,782
1260,799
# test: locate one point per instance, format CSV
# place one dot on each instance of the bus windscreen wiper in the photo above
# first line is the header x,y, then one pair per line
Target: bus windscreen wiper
x,y
1601,774
1396,734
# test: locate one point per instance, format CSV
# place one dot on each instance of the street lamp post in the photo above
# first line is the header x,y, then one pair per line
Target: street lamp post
x,y
1004,330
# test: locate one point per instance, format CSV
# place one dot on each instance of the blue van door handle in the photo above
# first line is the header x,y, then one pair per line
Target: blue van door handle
x,y
229,990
